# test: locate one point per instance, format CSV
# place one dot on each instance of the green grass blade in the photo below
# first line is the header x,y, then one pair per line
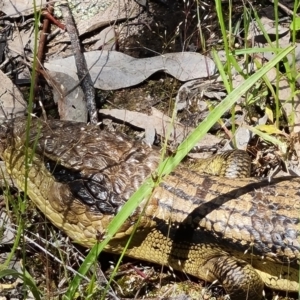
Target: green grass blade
x,y
169,164
26,278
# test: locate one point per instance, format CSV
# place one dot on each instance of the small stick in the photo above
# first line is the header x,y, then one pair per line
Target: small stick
x,y
84,76
284,8
41,50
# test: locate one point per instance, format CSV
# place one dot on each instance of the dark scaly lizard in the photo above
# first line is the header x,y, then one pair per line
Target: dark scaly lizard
x,y
242,232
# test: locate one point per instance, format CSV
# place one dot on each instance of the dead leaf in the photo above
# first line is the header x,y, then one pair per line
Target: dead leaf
x,y
108,13
112,70
18,41
257,37
106,39
16,8
270,129
12,101
115,11
71,106
7,234
161,123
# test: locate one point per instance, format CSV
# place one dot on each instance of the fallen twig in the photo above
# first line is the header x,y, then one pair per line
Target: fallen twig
x,y
85,80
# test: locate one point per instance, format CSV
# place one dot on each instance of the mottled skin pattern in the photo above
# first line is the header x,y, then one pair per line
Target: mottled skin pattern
x,y
242,232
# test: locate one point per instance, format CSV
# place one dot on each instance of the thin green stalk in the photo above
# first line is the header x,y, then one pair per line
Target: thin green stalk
x,y
277,103
226,45
20,227
229,58
292,72
22,202
26,278
157,180
201,36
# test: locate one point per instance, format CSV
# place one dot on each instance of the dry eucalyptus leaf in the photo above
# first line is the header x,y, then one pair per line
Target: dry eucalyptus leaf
x,y
91,15
108,14
242,137
162,124
295,163
71,106
7,235
256,35
269,129
12,102
18,41
106,39
157,120
16,8
112,70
